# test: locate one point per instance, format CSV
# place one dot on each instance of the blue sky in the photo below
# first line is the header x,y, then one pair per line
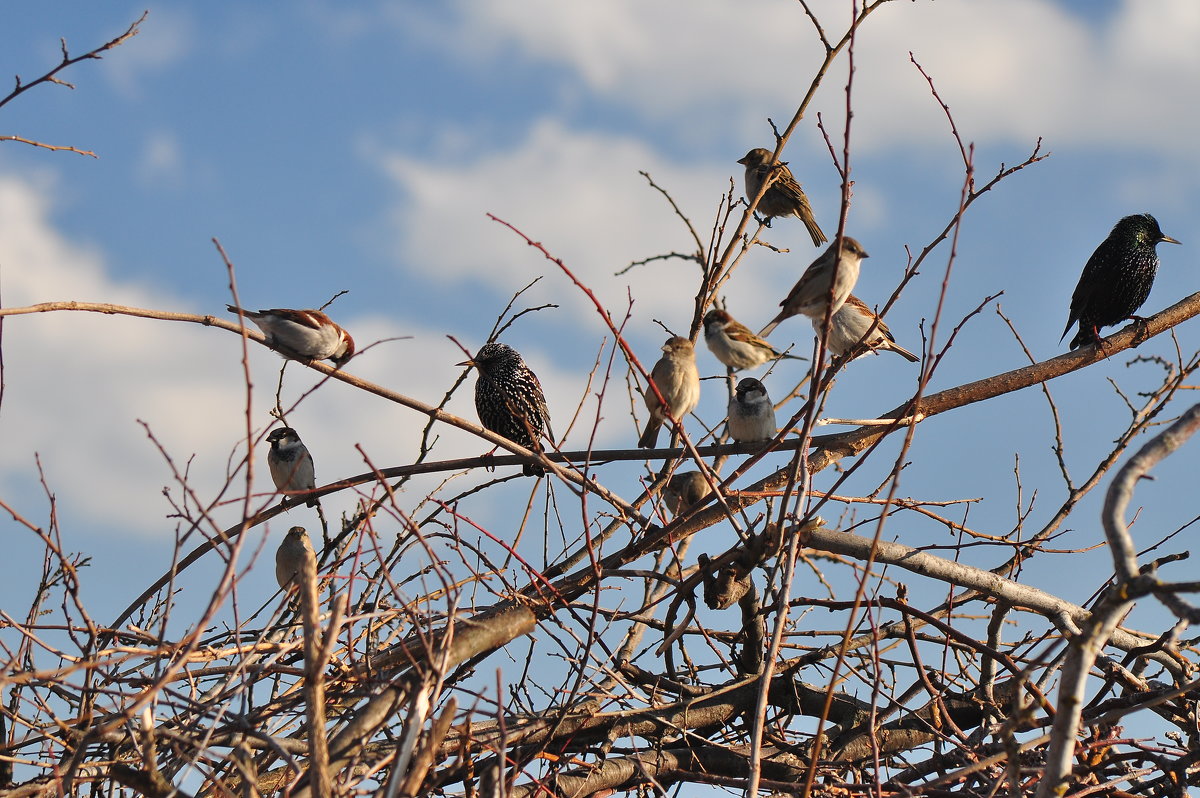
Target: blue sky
x,y
333,149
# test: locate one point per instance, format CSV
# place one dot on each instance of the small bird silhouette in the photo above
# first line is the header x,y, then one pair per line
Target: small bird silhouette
x,y
821,283
684,489
509,400
291,463
848,331
302,335
290,556
678,381
1117,278
784,197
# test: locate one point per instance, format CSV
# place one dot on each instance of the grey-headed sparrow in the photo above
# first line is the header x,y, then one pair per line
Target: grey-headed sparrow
x,y
302,334
678,381
827,280
509,400
848,331
751,414
733,343
291,463
784,197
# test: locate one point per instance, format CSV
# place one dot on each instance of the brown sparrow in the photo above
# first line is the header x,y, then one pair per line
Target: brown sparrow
x,y
290,463
848,331
751,414
734,345
302,335
290,556
678,381
822,284
684,489
784,197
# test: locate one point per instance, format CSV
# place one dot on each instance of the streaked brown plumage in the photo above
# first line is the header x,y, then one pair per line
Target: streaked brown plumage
x,y
784,197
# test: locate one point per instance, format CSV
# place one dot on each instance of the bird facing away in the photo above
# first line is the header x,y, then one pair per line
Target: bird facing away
x,y
291,463
678,381
734,345
848,332
784,197
303,335
821,282
1117,278
751,414
685,489
509,400
290,556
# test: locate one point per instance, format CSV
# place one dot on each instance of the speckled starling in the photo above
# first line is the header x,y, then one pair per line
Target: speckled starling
x,y
784,197
1117,278
509,399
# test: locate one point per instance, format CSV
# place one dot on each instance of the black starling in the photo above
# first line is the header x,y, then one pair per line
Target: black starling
x,y
509,400
784,197
1116,279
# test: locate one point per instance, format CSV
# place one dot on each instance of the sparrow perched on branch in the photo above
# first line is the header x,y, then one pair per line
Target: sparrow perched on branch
x,y
509,400
821,281
290,556
751,414
784,197
678,381
290,463
733,343
684,489
1117,278
302,335
848,331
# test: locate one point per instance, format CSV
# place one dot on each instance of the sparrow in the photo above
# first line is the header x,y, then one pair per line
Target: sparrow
x,y
812,293
734,345
290,463
684,489
509,400
1117,278
751,414
848,328
784,197
678,381
303,335
290,556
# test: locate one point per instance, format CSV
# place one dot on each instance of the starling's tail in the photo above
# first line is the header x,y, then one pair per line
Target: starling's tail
x,y
1070,321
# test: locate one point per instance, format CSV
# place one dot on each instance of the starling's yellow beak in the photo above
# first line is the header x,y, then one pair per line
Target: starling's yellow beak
x,y
1170,240
466,363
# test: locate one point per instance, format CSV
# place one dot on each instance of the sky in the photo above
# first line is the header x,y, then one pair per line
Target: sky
x,y
360,149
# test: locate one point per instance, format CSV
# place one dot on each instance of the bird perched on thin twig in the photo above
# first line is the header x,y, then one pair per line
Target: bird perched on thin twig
x,y
290,556
751,414
509,400
822,284
303,335
733,343
684,489
1117,278
291,463
848,331
678,381
783,197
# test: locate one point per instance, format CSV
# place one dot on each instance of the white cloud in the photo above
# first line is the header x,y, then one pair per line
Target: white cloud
x,y
164,38
161,161
1010,69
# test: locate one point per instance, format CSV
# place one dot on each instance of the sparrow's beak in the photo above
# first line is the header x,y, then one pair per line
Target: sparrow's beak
x,y
742,161
1170,240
